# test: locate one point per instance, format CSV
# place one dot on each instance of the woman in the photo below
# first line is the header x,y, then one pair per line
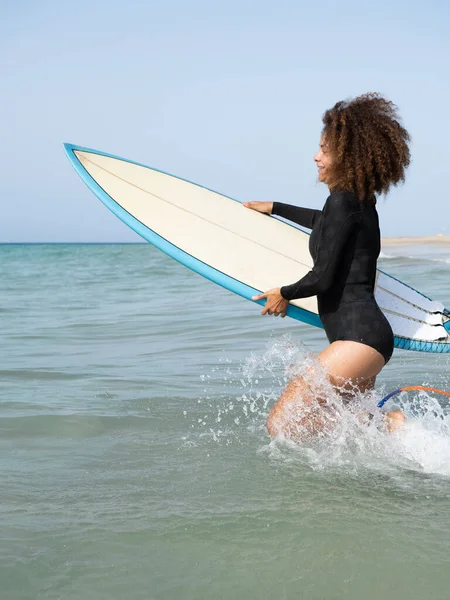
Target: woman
x,y
363,152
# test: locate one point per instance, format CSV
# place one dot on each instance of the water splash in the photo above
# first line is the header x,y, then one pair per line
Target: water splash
x,y
357,443
237,400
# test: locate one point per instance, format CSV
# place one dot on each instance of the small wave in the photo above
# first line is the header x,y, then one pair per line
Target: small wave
x,y
406,257
40,374
441,260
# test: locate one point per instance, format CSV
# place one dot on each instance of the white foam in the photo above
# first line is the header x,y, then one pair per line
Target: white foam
x,y
422,445
352,442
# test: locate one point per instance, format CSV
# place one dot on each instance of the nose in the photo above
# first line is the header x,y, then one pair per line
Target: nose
x,y
317,157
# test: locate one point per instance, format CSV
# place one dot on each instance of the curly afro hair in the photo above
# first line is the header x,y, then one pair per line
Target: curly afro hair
x,y
368,144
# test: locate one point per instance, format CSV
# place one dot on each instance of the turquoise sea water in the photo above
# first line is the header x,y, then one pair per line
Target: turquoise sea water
x,y
135,461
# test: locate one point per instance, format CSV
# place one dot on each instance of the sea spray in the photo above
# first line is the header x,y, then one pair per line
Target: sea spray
x,y
356,436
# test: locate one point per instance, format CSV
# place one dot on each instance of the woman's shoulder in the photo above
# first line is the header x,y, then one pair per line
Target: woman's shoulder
x,y
343,200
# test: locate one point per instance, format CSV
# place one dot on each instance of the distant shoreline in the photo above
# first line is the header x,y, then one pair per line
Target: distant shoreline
x,y
426,240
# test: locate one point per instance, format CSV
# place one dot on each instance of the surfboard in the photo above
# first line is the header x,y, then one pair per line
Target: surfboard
x,y
242,250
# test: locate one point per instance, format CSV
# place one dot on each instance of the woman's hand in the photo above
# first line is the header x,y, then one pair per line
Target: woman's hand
x,y
262,207
276,305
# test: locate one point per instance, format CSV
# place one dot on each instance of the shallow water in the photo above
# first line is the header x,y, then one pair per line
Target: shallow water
x,y
134,454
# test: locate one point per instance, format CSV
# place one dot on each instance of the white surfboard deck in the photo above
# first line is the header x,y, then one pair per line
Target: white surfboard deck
x,y
242,250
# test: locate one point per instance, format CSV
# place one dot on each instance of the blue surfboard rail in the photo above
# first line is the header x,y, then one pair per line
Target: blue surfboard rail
x,y
198,266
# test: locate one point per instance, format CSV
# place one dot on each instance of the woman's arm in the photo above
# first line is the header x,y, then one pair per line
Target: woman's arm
x,y
306,217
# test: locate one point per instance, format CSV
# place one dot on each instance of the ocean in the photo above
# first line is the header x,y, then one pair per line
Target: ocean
x,y
135,461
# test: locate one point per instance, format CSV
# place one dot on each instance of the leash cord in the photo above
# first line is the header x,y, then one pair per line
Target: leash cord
x,y
383,401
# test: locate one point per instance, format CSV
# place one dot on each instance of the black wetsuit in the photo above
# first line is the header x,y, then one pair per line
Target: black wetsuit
x,y
344,245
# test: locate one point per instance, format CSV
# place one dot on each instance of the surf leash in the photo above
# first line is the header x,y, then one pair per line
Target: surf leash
x,y
383,401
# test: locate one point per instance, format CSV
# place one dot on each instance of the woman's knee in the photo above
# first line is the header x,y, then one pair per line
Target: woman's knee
x,y
273,426
279,413
395,420
294,393
299,411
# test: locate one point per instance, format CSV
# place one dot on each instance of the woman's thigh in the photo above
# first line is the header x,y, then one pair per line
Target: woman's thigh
x,y
351,364
350,367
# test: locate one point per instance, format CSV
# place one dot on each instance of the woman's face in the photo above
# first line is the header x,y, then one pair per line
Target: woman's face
x,y
324,161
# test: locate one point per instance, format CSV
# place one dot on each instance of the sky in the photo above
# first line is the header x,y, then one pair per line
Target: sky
x,y
228,94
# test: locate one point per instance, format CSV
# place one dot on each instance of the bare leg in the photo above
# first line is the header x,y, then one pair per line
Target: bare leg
x,y
395,420
367,385
351,366
301,410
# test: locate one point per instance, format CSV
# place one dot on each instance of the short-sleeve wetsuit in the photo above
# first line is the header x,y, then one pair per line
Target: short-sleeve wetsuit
x,y
344,245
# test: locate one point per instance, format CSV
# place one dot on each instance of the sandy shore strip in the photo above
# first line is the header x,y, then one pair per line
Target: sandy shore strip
x,y
436,240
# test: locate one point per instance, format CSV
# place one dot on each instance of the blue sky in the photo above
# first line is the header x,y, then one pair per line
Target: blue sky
x,y
227,94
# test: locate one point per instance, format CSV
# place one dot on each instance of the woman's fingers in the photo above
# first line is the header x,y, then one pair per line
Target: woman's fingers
x,y
265,310
275,305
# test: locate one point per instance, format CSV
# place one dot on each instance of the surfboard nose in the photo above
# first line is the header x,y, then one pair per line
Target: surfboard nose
x,y
71,148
